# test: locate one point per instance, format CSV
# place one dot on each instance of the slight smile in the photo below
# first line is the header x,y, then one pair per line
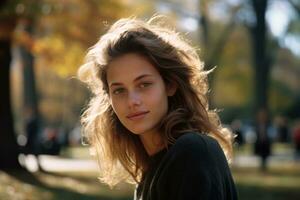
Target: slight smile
x,y
137,115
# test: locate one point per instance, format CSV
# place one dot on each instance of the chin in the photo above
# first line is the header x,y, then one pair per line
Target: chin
x,y
138,130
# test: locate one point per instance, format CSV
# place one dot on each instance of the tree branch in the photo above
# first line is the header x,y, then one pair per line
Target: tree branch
x,y
220,44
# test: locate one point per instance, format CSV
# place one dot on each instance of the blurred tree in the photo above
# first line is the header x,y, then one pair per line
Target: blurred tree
x,y
236,39
24,43
64,33
58,32
69,27
15,13
8,145
233,78
214,46
293,31
266,50
214,33
261,58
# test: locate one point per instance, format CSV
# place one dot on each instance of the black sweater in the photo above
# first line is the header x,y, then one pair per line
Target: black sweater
x,y
194,168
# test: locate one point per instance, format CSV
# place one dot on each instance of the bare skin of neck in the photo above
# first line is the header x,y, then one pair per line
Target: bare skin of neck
x,y
152,143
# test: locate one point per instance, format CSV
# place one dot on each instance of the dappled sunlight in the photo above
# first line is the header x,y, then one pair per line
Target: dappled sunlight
x,y
64,185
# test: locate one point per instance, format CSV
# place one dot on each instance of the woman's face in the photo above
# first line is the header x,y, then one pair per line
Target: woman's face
x,y
138,94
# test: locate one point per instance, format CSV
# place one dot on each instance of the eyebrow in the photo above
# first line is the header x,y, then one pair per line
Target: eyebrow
x,y
136,79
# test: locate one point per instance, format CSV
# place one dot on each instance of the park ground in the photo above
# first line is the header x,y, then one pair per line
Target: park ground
x,y
73,176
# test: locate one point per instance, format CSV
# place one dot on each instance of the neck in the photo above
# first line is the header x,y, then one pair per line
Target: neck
x,y
152,143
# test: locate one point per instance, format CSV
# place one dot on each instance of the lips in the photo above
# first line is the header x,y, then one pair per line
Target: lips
x,y
137,115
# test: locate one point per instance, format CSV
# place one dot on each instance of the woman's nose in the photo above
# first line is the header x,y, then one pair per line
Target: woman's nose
x,y
134,99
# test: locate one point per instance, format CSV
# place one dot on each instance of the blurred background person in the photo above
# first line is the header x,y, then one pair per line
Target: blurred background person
x,y
296,139
282,129
262,145
236,126
31,129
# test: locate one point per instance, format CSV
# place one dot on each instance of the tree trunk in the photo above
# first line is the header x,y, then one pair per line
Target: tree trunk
x,y
9,148
29,89
260,56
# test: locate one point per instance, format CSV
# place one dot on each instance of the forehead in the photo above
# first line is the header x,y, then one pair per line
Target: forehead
x,y
128,67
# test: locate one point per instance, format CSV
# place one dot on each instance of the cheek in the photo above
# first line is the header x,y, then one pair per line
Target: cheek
x,y
117,106
158,99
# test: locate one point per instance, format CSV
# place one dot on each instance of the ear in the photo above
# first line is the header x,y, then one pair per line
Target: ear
x,y
171,88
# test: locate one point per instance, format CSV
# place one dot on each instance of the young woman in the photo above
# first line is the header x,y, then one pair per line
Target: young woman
x,y
149,120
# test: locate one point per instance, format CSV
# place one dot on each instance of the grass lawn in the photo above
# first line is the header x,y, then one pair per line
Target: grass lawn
x,y
278,183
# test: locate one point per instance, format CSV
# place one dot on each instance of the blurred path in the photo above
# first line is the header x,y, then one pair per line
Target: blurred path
x,y
58,164
274,160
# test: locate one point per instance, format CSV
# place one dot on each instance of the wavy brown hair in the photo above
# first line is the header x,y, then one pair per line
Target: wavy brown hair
x,y
120,153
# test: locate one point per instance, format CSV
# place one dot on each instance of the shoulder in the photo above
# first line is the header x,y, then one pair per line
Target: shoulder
x,y
194,137
197,148
195,141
